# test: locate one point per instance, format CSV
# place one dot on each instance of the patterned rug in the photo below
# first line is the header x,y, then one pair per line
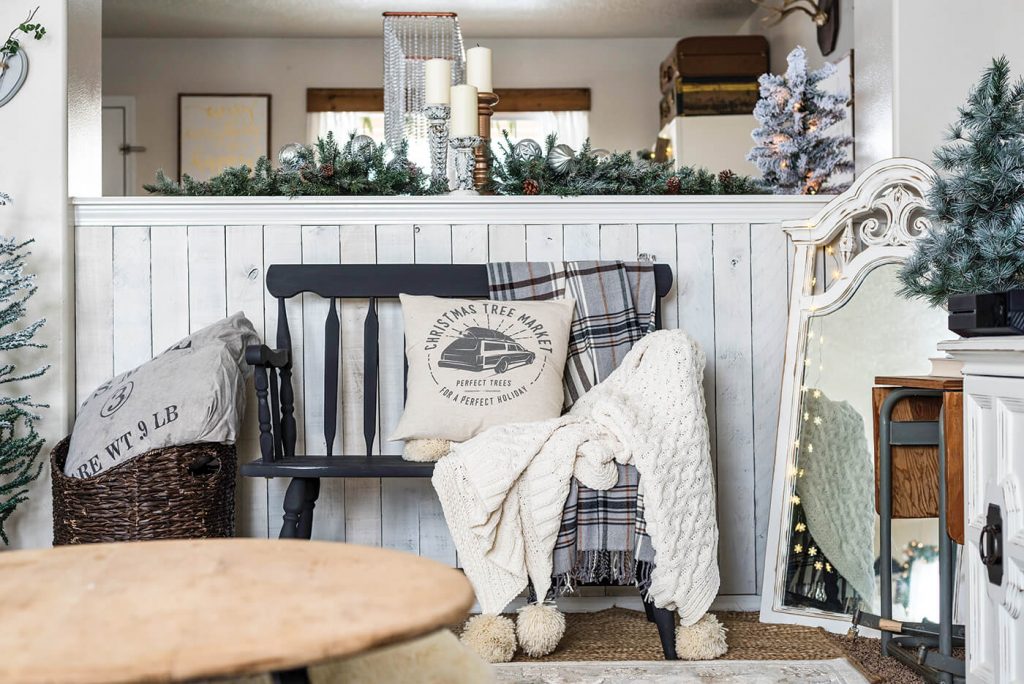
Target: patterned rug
x,y
836,671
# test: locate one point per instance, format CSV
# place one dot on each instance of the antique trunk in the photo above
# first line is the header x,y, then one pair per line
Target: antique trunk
x,y
705,99
715,58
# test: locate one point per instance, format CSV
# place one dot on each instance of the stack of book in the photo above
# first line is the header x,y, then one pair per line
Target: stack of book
x,y
711,75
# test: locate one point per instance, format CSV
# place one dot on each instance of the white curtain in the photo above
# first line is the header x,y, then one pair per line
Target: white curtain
x,y
318,124
572,127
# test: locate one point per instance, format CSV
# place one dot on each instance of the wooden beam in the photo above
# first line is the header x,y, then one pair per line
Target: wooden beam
x,y
543,100
344,100
512,99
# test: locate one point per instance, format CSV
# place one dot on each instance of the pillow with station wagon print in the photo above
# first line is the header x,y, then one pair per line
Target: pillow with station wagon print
x,y
193,392
475,363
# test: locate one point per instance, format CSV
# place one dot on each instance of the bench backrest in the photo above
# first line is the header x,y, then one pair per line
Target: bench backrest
x,y
371,282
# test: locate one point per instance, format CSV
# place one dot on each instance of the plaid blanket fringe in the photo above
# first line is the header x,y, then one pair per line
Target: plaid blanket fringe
x,y
602,536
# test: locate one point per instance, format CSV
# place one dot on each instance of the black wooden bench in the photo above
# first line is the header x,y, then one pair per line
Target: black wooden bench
x,y
276,399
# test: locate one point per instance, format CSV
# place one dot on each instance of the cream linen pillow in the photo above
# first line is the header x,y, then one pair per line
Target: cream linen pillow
x,y
475,363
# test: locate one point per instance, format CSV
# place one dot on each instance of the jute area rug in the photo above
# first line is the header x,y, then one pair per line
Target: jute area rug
x,y
836,671
625,635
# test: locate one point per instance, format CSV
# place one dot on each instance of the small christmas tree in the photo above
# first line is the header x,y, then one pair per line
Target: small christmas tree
x,y
20,444
793,150
977,239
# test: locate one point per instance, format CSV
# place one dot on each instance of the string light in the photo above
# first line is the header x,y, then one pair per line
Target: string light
x,y
798,548
813,551
800,527
817,420
795,500
818,565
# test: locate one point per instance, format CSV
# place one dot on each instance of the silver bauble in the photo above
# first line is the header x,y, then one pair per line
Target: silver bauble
x,y
527,149
288,157
362,146
601,154
562,159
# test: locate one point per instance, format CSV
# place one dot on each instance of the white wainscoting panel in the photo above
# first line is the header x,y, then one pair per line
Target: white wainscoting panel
x,y
143,283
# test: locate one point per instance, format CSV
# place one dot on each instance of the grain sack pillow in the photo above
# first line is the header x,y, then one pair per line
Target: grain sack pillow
x,y
193,392
477,363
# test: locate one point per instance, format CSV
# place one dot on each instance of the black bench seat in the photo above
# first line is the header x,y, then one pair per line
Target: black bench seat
x,y
378,465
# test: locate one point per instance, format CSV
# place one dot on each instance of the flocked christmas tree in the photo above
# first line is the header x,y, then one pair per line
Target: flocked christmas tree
x,y
19,442
793,148
977,207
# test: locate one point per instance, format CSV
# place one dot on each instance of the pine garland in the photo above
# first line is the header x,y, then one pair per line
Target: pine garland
x,y
587,173
977,209
792,148
323,169
20,444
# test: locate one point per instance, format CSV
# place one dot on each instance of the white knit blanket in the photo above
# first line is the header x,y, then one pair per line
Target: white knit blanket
x,y
503,491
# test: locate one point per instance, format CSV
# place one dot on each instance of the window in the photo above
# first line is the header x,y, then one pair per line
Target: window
x,y
524,113
493,346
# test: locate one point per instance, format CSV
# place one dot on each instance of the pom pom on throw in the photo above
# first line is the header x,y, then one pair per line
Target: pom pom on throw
x,y
426,450
492,637
539,627
703,640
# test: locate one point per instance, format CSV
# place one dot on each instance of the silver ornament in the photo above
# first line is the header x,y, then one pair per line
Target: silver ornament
x,y
527,149
288,156
601,154
362,146
562,159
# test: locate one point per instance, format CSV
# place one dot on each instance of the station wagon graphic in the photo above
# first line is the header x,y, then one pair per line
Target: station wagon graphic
x,y
479,349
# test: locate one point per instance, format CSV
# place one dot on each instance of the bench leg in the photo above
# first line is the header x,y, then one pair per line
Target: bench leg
x,y
294,502
312,491
666,623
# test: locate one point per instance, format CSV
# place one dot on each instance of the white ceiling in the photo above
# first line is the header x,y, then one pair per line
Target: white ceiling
x,y
478,18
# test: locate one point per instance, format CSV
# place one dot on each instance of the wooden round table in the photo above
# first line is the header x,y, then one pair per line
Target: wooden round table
x,y
180,610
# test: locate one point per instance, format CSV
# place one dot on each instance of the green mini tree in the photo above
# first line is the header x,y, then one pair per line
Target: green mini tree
x,y
20,444
977,207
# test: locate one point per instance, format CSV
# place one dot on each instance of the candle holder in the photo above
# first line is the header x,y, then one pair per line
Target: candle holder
x,y
485,110
465,161
437,136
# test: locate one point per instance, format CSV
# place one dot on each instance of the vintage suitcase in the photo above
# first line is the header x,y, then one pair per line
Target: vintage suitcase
x,y
715,58
708,99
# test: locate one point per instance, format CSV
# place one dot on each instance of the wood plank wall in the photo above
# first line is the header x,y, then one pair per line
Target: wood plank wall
x,y
140,288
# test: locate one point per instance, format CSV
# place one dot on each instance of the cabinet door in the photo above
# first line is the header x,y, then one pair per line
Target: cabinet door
x,y
994,474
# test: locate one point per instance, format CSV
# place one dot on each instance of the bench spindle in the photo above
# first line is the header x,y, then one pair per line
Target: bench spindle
x,y
275,412
284,341
332,351
266,436
371,358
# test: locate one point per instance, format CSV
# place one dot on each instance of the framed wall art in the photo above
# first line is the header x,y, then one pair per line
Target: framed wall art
x,y
216,131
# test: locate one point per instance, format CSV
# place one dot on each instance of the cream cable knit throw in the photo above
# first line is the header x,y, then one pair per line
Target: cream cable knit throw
x,y
503,491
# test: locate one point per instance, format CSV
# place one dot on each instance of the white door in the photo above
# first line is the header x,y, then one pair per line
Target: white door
x,y
118,135
994,470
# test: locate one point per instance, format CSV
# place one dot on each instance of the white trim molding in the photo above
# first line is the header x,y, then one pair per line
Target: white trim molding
x,y
179,211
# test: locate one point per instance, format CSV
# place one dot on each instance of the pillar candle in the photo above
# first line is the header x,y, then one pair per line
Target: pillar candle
x,y
478,69
464,121
438,76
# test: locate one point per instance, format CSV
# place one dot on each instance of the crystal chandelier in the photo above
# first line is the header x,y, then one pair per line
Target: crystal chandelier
x,y
410,39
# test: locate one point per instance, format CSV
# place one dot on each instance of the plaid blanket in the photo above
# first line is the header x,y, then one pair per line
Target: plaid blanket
x,y
602,536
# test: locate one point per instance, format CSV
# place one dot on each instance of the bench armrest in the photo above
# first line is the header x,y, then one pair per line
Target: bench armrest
x,y
262,355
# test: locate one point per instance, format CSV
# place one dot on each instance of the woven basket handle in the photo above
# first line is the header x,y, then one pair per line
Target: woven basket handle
x,y
201,465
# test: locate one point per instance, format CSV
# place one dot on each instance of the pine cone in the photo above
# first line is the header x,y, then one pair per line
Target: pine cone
x,y
326,170
531,187
672,185
726,177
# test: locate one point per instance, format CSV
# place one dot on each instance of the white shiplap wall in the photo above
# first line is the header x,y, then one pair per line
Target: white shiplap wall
x,y
149,271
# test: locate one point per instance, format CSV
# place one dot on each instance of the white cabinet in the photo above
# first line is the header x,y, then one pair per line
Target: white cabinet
x,y
994,498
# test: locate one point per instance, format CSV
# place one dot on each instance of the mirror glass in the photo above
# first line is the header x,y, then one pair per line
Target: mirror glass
x,y
832,554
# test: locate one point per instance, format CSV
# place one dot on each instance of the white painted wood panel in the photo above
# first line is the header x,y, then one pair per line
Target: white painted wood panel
x,y
133,341
94,310
734,408
216,265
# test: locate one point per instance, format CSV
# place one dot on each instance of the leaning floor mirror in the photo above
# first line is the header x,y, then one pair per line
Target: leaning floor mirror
x,y
847,325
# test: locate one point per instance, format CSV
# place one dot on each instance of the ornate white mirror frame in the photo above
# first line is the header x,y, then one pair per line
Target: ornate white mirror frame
x,y
873,223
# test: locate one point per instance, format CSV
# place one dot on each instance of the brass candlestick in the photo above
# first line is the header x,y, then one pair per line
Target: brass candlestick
x,y
485,109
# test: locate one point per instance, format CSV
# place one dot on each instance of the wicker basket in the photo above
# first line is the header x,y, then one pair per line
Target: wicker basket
x,y
183,492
